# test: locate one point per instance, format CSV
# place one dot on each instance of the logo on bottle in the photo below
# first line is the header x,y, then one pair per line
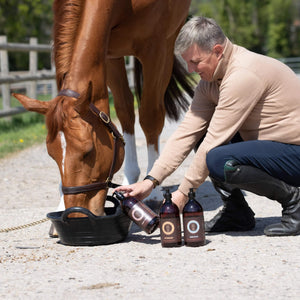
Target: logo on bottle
x,y
168,228
137,213
141,214
193,226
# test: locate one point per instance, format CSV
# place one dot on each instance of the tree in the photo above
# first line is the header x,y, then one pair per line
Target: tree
x,y
264,26
278,42
22,19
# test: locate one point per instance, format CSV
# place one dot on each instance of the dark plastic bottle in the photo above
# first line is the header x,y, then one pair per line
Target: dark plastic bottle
x,y
193,222
170,228
138,212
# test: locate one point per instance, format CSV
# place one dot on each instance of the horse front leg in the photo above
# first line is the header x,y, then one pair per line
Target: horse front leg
x,y
150,118
124,105
156,73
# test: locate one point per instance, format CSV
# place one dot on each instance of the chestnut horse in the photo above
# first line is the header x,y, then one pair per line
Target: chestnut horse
x,y
91,39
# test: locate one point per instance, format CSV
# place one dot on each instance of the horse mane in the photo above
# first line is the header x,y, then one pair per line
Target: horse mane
x,y
55,119
67,15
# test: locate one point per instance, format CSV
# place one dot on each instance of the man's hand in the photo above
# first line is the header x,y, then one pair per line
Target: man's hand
x,y
139,190
179,199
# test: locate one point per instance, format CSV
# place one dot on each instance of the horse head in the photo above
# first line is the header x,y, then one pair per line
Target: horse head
x,y
85,144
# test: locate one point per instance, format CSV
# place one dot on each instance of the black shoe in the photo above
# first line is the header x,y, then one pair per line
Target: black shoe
x,y
261,183
236,215
290,222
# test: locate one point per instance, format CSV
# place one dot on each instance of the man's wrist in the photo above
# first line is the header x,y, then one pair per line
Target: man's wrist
x,y
154,181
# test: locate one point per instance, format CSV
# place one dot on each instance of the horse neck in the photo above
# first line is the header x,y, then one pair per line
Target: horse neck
x,y
75,63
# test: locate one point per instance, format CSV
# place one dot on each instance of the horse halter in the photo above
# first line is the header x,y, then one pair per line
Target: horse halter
x,y
69,190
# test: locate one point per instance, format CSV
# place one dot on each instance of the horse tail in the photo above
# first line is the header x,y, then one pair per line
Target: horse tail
x,y
180,87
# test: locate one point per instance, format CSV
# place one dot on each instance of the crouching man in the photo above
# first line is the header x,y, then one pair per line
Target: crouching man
x,y
240,93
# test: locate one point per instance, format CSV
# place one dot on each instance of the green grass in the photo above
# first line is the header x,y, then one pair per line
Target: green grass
x,y
26,129
21,132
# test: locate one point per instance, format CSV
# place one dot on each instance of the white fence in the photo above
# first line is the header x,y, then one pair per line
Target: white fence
x,y
28,79
33,79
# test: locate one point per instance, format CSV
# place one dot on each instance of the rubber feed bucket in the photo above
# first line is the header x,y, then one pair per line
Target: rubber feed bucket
x,y
91,230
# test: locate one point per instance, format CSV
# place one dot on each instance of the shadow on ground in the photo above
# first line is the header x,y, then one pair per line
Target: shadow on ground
x,y
206,195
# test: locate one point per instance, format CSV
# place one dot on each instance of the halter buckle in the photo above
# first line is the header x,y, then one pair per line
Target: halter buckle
x,y
104,117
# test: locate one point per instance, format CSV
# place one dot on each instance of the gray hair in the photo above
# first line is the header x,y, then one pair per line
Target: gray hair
x,y
204,32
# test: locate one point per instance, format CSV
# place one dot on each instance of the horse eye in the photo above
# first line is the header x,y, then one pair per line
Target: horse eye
x,y
86,154
75,117
87,150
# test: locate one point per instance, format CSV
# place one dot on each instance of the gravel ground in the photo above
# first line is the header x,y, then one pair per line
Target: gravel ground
x,y
244,265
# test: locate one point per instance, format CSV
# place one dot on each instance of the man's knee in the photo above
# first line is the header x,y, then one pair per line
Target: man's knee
x,y
215,164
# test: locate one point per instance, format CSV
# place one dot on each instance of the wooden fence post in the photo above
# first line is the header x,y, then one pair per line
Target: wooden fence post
x,y
130,71
4,72
33,67
53,82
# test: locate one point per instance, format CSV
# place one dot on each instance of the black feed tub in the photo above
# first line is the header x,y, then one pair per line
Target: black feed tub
x,y
91,230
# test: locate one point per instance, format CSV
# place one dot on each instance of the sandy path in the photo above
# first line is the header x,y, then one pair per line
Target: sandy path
x,y
244,265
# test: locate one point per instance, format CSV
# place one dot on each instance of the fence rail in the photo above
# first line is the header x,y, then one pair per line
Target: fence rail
x,y
33,78
32,46
29,79
44,75
292,62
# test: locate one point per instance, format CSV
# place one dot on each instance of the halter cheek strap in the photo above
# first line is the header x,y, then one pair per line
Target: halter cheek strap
x,y
68,190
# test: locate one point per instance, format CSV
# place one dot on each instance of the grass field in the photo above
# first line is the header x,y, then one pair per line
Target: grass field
x,y
26,129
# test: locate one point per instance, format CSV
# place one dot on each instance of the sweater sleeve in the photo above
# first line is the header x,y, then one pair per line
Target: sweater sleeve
x,y
239,93
183,140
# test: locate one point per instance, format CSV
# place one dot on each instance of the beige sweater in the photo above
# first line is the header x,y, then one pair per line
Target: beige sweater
x,y
250,93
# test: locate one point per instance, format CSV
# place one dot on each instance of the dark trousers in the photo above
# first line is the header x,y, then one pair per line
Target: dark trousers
x,y
281,161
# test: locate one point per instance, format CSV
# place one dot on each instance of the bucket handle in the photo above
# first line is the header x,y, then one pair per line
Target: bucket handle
x,y
85,211
77,209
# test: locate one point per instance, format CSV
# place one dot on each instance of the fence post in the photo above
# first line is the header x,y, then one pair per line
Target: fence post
x,y
33,67
4,71
130,71
53,82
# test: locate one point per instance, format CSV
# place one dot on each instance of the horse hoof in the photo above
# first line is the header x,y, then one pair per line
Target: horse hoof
x,y
52,232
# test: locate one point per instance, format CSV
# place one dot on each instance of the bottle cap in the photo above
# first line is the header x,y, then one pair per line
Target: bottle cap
x,y
168,195
191,193
119,195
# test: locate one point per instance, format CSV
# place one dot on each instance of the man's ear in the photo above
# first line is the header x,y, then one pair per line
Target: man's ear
x,y
218,49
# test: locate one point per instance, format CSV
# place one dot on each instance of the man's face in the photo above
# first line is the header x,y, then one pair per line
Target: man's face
x,y
202,62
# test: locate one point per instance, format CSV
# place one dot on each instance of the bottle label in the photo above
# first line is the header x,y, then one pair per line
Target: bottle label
x,y
194,228
170,230
141,214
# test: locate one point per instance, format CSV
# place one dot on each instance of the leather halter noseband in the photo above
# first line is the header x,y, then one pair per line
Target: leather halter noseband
x,y
69,190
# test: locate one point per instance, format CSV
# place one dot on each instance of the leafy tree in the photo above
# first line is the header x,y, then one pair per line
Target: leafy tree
x,y
239,19
22,19
279,42
264,26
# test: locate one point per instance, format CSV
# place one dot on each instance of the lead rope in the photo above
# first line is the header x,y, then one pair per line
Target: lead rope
x,y
23,226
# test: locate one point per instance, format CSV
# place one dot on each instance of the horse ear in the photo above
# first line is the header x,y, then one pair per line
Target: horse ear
x,y
82,105
40,107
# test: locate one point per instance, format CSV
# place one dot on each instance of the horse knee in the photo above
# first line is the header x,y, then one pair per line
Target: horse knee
x,y
152,125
